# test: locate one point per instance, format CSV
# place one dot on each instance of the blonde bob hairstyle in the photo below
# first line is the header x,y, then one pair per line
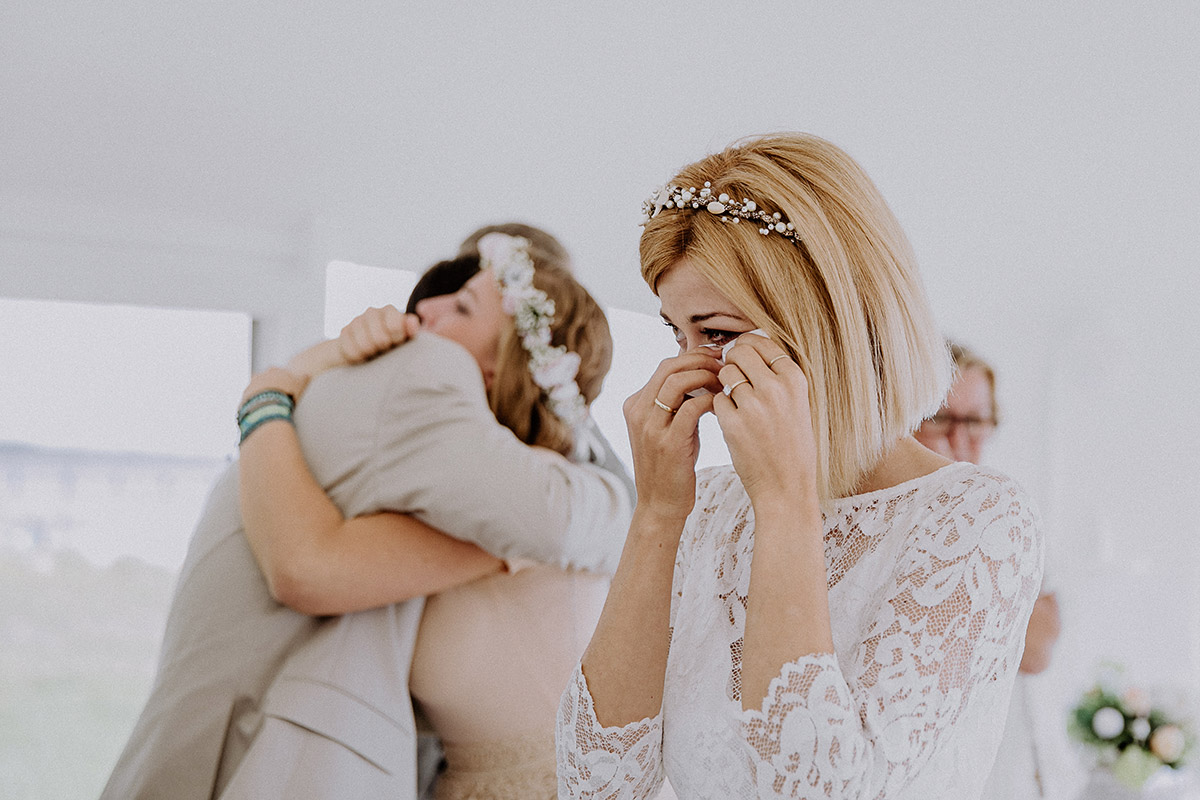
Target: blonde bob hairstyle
x,y
580,326
846,302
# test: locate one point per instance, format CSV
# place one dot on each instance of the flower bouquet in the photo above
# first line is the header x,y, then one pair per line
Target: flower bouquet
x,y
1130,737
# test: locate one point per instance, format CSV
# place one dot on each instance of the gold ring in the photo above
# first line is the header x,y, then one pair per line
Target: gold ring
x,y
776,358
729,389
664,406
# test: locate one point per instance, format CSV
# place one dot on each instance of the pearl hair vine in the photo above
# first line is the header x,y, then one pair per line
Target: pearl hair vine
x,y
721,205
553,368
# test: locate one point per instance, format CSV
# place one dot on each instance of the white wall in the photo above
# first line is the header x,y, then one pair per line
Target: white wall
x,y
1042,157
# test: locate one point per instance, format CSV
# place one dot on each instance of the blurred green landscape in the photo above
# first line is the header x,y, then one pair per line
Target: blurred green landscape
x,y
80,643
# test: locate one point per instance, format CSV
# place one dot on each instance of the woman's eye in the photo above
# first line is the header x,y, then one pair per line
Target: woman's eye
x,y
678,334
719,337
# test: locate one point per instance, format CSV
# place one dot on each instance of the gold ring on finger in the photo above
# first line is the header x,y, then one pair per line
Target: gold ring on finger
x,y
729,389
664,406
776,358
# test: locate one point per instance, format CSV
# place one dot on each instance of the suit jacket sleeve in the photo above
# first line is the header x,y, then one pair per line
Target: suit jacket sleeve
x,y
436,451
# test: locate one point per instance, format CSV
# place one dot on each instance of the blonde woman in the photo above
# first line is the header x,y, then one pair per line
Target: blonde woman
x,y
840,613
294,681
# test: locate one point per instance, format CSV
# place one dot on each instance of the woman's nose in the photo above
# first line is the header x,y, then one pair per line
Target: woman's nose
x,y
427,310
960,443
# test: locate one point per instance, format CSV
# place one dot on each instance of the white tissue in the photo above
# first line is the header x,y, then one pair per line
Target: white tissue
x,y
725,348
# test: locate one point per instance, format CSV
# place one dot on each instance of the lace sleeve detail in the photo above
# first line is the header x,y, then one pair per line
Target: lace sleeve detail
x,y
625,761
622,763
951,629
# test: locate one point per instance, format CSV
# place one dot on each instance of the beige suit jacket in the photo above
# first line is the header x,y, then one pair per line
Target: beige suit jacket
x,y
255,700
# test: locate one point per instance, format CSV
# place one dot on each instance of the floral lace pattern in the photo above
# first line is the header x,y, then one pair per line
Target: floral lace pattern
x,y
623,760
931,583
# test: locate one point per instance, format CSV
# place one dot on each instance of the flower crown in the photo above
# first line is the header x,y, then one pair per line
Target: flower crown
x,y
553,367
721,206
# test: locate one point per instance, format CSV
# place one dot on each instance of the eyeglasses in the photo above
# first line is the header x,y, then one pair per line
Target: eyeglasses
x,y
943,424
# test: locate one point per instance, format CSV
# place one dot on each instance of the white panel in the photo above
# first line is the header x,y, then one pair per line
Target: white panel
x,y
351,288
122,378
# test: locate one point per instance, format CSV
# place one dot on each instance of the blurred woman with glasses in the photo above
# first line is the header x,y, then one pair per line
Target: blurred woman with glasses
x,y
964,424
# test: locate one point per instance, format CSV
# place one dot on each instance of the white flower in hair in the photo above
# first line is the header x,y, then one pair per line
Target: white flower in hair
x,y
553,368
559,371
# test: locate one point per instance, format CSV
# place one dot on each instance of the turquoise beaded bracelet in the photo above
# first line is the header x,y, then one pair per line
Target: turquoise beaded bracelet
x,y
262,408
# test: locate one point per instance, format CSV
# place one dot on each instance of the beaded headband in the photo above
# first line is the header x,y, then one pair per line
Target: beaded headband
x,y
721,206
553,367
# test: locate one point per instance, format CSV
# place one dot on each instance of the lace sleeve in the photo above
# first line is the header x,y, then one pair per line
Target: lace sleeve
x,y
951,630
623,762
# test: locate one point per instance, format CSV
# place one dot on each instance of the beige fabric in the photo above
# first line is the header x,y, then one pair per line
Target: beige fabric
x,y
492,658
409,431
520,768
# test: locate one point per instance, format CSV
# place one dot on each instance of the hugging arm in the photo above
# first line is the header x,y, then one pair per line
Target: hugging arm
x,y
316,561
437,454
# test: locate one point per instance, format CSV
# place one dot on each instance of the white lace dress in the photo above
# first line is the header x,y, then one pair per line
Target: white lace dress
x,y
930,586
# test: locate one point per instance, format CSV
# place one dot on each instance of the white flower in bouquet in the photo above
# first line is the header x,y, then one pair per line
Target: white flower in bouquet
x,y
1140,729
1168,742
1108,722
1130,736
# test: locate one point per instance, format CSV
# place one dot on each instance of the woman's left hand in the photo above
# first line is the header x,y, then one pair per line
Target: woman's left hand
x,y
767,422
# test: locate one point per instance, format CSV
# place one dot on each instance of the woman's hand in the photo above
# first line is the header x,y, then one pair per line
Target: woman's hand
x,y
663,425
767,423
372,332
376,331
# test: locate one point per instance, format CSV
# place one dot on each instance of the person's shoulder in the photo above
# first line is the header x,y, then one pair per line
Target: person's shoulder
x,y
987,485
424,381
428,354
427,364
984,507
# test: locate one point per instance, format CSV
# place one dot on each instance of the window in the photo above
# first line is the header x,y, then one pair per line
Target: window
x,y
114,423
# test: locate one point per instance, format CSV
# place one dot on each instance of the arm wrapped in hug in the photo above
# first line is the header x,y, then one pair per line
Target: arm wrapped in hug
x,y
419,438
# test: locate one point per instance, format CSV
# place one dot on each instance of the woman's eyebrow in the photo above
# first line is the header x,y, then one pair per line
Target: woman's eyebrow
x,y
695,318
702,317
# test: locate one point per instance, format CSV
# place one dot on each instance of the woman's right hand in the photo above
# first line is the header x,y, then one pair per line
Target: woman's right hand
x,y
376,331
666,441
